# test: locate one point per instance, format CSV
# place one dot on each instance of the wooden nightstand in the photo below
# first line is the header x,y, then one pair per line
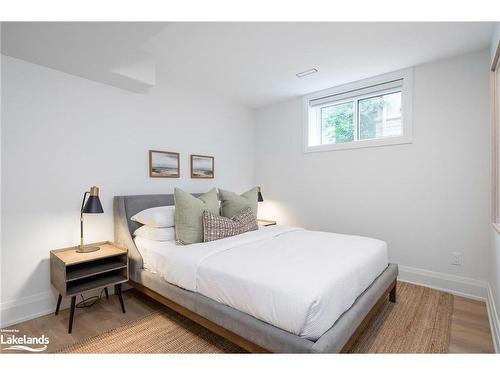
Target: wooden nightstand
x,y
265,223
73,273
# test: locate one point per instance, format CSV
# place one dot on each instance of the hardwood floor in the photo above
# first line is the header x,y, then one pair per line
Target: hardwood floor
x,y
470,331
470,328
91,321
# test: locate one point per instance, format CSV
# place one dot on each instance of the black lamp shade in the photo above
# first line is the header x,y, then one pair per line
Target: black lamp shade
x,y
93,205
259,197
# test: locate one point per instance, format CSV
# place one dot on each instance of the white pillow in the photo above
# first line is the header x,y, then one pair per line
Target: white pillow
x,y
155,234
157,217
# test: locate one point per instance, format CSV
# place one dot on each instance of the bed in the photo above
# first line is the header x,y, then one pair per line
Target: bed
x,y
278,289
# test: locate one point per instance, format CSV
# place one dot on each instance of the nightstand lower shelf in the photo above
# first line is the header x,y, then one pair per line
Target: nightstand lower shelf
x,y
83,285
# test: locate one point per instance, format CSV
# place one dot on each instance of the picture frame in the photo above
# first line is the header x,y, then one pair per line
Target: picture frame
x,y
202,166
164,164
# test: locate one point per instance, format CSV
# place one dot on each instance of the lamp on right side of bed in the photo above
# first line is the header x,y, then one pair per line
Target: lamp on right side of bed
x,y
259,195
263,222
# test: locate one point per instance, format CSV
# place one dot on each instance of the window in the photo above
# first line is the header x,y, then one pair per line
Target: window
x,y
372,112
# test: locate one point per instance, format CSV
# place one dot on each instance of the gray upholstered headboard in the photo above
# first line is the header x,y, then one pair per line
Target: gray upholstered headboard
x,y
124,207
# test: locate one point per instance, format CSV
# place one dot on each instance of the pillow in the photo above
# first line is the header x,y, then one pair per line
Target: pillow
x,y
189,213
231,203
216,227
156,217
155,234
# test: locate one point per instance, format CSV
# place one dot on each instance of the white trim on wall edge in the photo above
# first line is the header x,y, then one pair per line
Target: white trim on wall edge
x,y
27,308
457,285
22,309
494,319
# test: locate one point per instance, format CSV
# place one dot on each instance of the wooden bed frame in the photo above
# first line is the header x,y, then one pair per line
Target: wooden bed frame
x,y
244,343
391,290
242,329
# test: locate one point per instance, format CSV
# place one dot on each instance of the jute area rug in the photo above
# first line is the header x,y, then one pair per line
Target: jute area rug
x,y
418,323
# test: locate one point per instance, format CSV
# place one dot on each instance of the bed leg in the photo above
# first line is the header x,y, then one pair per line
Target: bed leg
x,y
392,294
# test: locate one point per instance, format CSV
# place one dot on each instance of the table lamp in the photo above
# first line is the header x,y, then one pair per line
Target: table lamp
x,y
259,196
93,206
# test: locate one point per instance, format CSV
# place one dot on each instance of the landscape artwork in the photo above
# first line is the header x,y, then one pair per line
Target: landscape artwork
x,y
164,164
202,166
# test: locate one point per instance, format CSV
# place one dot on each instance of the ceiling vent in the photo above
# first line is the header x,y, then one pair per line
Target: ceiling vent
x,y
307,72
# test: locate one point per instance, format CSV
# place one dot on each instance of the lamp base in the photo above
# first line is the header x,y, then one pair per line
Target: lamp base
x,y
87,249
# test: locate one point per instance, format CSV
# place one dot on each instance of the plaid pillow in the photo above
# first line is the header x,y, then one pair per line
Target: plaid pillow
x,y
216,227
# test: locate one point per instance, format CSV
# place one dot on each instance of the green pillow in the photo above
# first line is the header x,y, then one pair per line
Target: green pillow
x,y
188,215
232,203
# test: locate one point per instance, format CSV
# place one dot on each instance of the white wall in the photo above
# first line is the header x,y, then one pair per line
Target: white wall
x,y
62,134
426,199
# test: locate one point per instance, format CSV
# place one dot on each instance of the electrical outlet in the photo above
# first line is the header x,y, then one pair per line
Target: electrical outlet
x,y
456,259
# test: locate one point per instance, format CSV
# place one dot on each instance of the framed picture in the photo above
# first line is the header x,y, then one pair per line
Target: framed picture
x,y
202,166
164,164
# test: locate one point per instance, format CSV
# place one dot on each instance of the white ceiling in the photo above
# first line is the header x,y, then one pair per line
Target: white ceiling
x,y
105,52
251,63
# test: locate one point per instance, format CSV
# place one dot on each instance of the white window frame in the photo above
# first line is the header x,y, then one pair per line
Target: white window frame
x,y
365,88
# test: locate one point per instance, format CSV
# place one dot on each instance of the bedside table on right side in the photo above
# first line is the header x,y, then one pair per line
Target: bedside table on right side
x,y
265,223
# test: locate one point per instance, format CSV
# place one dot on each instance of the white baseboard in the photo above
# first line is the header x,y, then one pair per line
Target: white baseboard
x,y
457,285
27,308
22,309
494,319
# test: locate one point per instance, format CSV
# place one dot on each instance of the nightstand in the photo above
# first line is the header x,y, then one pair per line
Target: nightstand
x,y
73,273
265,223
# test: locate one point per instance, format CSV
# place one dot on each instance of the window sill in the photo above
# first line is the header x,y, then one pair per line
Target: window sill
x,y
389,141
496,226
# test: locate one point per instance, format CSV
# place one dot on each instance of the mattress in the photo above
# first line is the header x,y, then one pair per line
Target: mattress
x,y
298,280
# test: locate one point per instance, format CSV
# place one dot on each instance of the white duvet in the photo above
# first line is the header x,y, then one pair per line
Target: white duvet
x,y
295,279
